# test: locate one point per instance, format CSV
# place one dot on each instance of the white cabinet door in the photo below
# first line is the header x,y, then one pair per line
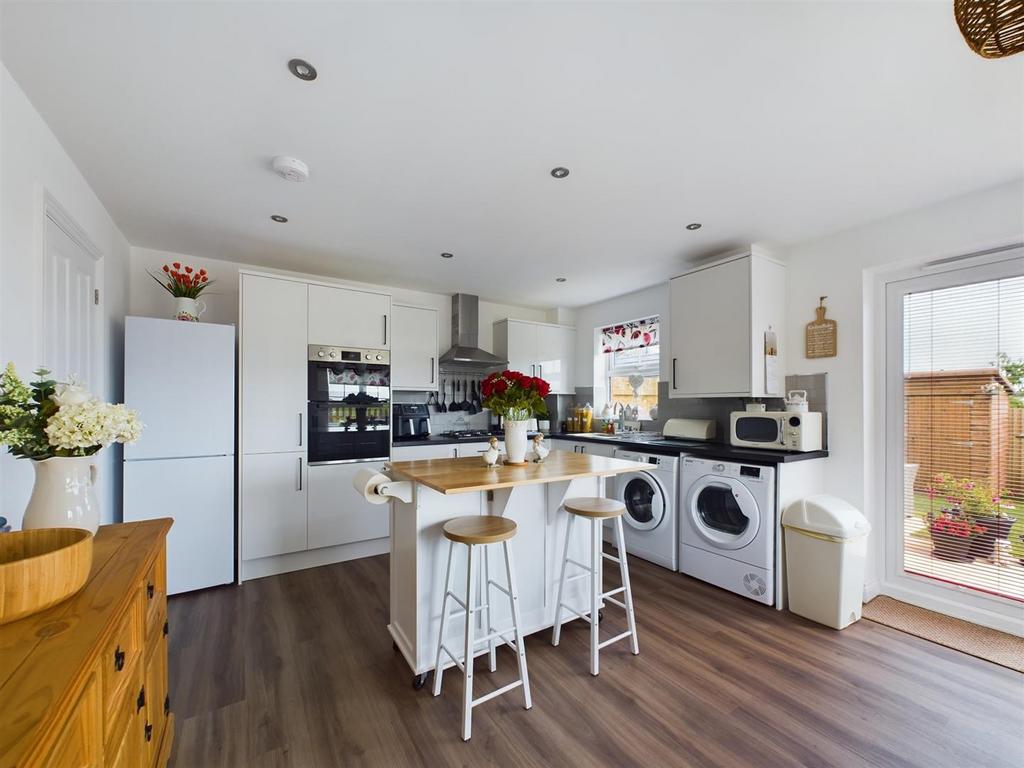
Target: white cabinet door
x,y
337,514
342,317
273,364
556,348
417,452
522,347
710,317
475,449
274,487
413,347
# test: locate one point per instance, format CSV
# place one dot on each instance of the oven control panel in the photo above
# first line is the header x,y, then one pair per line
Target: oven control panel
x,y
319,353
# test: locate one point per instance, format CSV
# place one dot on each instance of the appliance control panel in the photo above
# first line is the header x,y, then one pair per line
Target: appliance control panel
x,y
319,353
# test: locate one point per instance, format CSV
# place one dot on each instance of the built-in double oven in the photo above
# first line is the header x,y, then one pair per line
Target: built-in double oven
x,y
349,404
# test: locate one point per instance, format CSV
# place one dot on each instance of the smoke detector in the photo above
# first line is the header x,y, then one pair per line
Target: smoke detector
x,y
290,168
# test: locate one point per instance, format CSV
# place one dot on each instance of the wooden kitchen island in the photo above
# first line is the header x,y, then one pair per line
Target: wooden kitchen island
x,y
530,494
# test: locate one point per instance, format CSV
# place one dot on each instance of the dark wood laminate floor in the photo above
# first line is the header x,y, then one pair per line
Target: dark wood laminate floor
x,y
298,670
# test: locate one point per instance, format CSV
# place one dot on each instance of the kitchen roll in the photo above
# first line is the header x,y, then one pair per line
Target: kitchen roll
x,y
366,482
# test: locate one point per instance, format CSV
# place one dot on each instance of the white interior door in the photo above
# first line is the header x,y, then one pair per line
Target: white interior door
x,y
71,302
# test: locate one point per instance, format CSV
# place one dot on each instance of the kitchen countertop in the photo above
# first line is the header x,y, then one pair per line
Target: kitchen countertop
x,y
439,440
699,448
466,475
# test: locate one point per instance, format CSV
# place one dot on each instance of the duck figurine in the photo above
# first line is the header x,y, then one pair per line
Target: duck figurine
x,y
540,451
491,455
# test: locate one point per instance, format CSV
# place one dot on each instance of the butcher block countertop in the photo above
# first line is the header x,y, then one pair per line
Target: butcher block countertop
x,y
469,474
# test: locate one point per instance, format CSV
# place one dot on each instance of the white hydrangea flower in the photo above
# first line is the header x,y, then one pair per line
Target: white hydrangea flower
x,y
92,423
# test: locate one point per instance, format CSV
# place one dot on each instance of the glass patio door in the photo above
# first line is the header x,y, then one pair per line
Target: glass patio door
x,y
955,414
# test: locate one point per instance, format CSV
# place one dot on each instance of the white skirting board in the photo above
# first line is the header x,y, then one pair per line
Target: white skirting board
x,y
311,558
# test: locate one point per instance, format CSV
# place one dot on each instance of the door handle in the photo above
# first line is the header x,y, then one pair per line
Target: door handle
x,y
300,429
300,475
674,373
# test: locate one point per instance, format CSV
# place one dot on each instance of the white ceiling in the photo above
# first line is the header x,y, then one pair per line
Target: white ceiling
x,y
433,127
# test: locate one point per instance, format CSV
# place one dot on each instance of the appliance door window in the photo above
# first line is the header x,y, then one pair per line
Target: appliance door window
x,y
757,429
351,383
724,513
644,500
340,432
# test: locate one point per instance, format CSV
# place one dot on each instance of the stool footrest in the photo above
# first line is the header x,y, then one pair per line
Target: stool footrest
x,y
498,692
606,556
619,603
612,592
451,656
615,639
585,615
496,585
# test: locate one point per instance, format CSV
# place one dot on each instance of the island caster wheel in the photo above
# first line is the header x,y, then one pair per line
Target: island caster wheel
x,y
418,681
600,616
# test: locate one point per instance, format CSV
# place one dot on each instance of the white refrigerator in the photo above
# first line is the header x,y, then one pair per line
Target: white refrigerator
x,y
180,377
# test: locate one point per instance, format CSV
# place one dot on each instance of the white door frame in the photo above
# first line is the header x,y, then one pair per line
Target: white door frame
x,y
988,610
52,210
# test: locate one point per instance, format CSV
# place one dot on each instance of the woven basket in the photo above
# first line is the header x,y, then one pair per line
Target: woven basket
x,y
993,28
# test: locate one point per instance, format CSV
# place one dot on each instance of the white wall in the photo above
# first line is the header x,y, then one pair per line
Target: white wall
x,y
149,299
847,267
32,161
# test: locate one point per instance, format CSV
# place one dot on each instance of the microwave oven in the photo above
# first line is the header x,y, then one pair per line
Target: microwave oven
x,y
781,430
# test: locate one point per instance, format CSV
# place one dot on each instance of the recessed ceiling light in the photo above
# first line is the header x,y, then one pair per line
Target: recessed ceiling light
x,y
279,219
696,225
559,279
559,172
447,255
302,69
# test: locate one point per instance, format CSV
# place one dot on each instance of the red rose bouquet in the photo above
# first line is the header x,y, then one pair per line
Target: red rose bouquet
x,y
514,395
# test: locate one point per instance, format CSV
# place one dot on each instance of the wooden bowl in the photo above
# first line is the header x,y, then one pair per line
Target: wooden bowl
x,y
40,568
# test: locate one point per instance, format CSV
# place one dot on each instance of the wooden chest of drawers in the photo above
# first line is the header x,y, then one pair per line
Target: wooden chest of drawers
x,y
84,684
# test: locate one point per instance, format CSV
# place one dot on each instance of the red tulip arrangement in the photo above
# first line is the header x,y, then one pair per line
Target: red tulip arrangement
x,y
183,282
515,395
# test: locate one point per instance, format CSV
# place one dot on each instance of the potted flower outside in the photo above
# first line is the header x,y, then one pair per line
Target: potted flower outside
x,y
975,502
515,397
59,426
185,284
953,535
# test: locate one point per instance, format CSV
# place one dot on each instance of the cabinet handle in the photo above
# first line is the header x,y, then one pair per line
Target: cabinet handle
x,y
431,370
300,429
674,373
385,330
149,731
150,590
140,702
167,628
300,475
540,370
118,659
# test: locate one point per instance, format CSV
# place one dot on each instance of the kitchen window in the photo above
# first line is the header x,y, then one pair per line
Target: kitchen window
x,y
627,365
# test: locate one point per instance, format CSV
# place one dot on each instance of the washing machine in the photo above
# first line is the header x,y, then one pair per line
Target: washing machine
x,y
728,526
649,525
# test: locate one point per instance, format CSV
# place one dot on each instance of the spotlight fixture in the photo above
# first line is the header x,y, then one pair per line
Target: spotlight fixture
x,y
447,255
695,226
279,219
302,69
559,279
559,172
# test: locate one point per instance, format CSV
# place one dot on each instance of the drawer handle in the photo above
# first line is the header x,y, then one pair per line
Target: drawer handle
x,y
167,704
140,702
150,590
167,628
149,731
118,659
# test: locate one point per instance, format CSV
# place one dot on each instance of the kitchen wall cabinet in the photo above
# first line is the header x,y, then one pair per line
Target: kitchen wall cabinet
x,y
414,347
719,315
274,492
336,513
273,364
539,349
344,317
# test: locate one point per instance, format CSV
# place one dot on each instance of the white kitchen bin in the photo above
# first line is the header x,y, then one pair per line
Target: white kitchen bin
x,y
826,545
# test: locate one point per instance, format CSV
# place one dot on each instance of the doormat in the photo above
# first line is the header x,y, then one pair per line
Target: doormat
x,y
989,644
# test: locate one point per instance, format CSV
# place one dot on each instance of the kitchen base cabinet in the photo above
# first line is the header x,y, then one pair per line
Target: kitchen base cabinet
x,y
79,680
274,490
337,515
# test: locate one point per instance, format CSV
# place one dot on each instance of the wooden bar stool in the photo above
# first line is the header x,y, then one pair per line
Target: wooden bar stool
x,y
597,510
474,531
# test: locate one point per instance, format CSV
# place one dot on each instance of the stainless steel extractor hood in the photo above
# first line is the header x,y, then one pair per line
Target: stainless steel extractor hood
x,y
465,353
